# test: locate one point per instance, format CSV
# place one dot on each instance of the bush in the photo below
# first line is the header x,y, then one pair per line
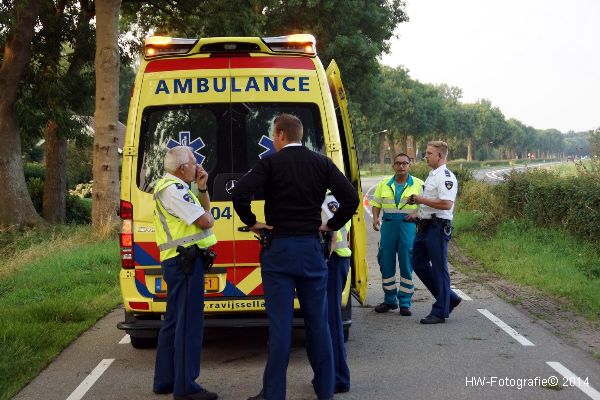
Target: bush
x,y
34,170
78,211
486,200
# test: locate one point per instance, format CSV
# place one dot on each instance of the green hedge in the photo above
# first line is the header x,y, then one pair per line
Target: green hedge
x,y
540,196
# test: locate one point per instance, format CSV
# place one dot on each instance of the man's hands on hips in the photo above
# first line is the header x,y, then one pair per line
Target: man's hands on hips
x,y
258,226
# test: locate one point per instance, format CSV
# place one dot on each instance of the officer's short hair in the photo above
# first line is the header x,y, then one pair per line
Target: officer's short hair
x,y
290,125
442,147
176,157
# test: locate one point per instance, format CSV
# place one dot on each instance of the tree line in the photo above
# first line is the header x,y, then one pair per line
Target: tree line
x,y
66,60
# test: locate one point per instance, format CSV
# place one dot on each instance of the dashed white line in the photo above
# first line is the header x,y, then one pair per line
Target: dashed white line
x,y
515,335
461,294
125,340
574,380
87,383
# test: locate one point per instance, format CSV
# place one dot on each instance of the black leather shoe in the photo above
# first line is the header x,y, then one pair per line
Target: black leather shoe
x,y
384,307
163,391
341,389
454,304
405,311
432,319
257,397
201,395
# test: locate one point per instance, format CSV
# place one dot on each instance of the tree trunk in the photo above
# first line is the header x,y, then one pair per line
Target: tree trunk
x,y
16,208
470,149
55,186
106,157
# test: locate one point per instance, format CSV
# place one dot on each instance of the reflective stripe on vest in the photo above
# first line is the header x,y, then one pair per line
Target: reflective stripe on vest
x,y
388,204
171,231
341,246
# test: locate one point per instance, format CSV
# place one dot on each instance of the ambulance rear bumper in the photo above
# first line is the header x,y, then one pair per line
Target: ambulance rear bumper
x,y
212,322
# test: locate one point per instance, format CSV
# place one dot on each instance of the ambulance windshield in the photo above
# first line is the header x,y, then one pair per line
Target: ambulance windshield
x,y
228,139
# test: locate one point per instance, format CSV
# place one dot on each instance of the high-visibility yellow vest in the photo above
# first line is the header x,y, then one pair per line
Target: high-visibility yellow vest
x,y
385,195
172,231
341,246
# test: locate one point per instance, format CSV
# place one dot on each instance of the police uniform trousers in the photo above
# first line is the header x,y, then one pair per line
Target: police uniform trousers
x,y
296,263
180,338
336,280
430,262
397,237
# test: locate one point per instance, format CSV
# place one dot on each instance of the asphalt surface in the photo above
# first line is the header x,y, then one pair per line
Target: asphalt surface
x,y
498,174
391,357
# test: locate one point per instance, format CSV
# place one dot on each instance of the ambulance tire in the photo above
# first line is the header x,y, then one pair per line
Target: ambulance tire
x,y
347,316
144,342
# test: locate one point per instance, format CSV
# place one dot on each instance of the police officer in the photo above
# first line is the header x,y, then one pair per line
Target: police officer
x,y
397,234
338,265
182,222
434,227
294,181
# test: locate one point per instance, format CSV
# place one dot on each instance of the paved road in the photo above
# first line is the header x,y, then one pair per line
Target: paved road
x,y
487,349
498,174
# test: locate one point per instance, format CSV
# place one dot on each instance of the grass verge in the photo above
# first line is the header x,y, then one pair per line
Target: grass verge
x,y
49,297
547,259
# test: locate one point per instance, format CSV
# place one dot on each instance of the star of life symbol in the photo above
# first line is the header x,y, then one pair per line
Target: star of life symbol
x,y
266,143
184,140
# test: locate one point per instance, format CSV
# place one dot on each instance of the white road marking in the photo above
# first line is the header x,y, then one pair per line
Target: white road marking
x,y
90,379
515,335
574,380
126,340
366,197
461,294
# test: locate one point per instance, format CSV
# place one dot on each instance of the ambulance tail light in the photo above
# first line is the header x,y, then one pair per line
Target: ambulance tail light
x,y
126,235
156,46
301,43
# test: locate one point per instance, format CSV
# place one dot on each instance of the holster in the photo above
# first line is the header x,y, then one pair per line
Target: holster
x,y
264,238
193,252
325,240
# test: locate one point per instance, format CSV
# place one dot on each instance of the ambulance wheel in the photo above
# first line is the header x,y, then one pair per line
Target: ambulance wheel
x,y
144,342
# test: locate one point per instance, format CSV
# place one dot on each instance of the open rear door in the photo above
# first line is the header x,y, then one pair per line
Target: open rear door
x,y
358,237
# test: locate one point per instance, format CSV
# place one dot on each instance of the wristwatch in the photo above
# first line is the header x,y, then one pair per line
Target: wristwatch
x,y
203,190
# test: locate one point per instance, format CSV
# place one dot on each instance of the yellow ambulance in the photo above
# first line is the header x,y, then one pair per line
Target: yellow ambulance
x,y
220,96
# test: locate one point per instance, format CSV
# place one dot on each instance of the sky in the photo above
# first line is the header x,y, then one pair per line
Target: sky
x,y
536,60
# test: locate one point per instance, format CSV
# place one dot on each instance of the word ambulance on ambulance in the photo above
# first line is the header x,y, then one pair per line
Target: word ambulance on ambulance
x,y
220,96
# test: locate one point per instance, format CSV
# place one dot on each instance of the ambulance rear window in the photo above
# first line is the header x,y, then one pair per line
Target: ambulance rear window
x,y
227,138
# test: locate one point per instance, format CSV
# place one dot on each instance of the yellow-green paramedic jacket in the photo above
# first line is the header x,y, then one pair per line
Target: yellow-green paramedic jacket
x,y
384,196
172,231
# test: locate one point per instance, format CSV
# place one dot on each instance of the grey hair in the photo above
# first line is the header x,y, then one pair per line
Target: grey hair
x,y
176,157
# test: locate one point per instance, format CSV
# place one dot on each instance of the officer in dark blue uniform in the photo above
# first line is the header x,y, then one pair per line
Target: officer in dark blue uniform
x,y
434,227
294,181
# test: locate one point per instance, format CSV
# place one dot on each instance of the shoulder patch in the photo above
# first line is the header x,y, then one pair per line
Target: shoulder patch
x,y
449,184
188,198
179,185
447,173
333,206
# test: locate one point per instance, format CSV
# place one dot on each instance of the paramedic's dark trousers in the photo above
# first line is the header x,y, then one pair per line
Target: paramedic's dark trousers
x,y
431,245
296,262
180,338
336,280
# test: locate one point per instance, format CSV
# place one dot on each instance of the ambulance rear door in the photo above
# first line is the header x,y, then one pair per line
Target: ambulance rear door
x,y
358,232
262,87
177,108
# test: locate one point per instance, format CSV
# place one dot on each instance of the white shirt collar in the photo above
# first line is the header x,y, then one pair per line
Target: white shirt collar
x,y
171,176
438,169
292,145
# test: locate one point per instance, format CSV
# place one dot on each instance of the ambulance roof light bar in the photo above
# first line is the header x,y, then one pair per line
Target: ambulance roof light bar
x,y
298,43
155,46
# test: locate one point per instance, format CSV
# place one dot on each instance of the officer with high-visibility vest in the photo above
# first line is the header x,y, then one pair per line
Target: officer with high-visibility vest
x,y
338,265
183,234
397,234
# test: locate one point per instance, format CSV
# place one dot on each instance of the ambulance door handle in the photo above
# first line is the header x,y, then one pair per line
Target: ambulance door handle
x,y
244,229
